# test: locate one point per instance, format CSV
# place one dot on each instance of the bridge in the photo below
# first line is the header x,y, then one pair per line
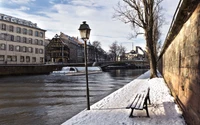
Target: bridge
x,y
124,63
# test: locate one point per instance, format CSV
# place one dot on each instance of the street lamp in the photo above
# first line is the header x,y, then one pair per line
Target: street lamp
x,y
85,34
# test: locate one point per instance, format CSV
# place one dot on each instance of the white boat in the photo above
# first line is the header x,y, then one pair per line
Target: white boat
x,y
77,70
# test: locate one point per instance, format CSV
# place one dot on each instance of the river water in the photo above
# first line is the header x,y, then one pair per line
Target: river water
x,y
51,100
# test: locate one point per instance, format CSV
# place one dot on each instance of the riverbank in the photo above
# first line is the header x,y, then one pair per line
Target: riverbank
x,y
8,70
111,110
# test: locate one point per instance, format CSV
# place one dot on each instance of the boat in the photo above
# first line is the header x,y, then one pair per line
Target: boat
x,y
77,70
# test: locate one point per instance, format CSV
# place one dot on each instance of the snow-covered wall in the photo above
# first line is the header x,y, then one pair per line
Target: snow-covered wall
x,y
180,67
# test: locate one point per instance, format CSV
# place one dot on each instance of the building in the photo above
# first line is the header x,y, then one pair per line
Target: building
x,y
76,48
135,55
57,51
21,41
73,51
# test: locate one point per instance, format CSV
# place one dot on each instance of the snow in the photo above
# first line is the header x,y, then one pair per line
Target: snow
x,y
112,109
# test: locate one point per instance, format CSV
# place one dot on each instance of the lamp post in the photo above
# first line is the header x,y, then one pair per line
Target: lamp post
x,y
85,34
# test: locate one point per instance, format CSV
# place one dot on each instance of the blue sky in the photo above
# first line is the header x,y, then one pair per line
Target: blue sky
x,y
65,16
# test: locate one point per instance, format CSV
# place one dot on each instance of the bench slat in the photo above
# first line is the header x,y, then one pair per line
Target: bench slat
x,y
136,101
145,95
140,102
129,106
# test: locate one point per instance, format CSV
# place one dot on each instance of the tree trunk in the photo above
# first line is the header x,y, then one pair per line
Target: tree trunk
x,y
153,65
150,39
151,54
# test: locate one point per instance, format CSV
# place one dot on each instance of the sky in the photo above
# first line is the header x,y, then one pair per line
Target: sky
x,y
65,16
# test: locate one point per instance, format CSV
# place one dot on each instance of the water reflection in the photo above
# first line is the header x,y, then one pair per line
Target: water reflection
x,y
50,100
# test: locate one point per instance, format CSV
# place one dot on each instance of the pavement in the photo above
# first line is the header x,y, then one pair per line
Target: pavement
x,y
112,109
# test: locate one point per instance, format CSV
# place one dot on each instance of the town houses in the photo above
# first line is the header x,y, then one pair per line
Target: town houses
x,y
23,42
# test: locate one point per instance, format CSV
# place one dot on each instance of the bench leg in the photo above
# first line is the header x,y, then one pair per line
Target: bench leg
x,y
148,97
146,106
149,100
147,111
131,115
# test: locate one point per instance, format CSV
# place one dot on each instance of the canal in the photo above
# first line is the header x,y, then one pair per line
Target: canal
x,y
51,100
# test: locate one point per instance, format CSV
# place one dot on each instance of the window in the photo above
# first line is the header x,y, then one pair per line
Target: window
x,y
41,34
21,58
36,41
41,59
36,33
24,40
11,28
30,49
41,51
36,50
9,58
40,42
30,32
23,49
18,30
11,47
2,46
30,40
3,36
12,38
27,58
24,31
17,48
33,59
14,58
18,39
2,57
3,27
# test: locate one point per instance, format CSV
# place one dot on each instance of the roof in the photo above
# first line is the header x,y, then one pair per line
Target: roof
x,y
22,22
71,39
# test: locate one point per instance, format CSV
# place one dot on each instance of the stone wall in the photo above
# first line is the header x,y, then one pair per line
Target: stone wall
x,y
27,69
6,70
180,67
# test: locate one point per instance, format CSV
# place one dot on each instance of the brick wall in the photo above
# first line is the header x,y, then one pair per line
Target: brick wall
x,y
180,67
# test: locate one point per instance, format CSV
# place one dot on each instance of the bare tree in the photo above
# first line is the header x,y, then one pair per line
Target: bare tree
x,y
143,14
117,50
114,50
96,44
122,51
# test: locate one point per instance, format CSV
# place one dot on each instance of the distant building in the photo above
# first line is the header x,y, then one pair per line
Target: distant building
x,y
57,51
73,51
135,55
76,48
21,41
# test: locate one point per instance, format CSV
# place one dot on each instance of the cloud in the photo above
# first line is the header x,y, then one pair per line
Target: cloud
x,y
66,16
23,8
21,1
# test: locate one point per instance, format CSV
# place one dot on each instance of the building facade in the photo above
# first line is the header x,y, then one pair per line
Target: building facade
x,y
57,51
76,48
73,51
21,41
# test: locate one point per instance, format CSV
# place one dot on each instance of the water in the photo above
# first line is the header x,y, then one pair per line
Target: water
x,y
51,100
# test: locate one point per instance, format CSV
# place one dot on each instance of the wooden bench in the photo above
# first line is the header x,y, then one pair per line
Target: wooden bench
x,y
140,102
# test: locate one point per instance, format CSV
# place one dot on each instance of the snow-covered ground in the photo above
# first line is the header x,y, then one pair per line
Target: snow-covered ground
x,y
112,109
